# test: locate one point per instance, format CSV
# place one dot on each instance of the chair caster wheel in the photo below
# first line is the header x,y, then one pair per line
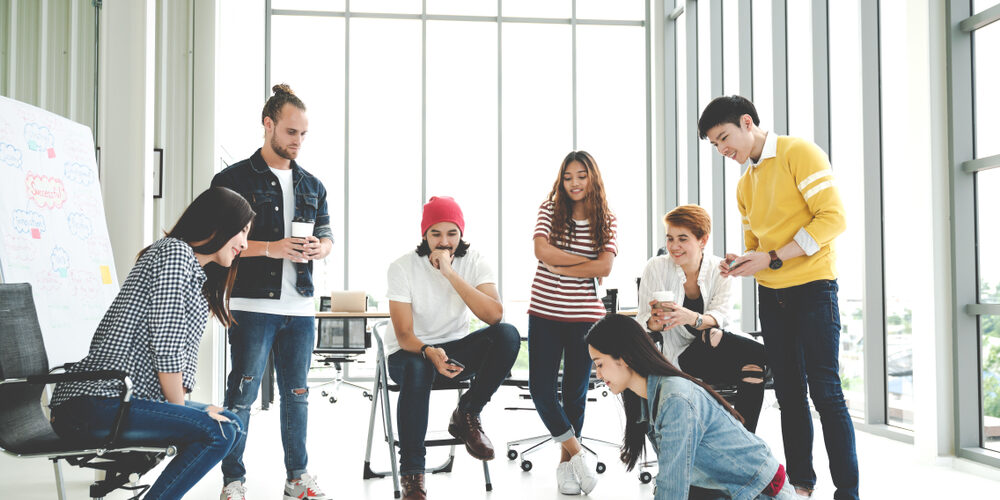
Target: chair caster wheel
x,y
325,394
645,477
511,454
526,465
601,467
333,400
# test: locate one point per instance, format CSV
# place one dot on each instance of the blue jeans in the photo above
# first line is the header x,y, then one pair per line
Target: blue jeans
x,y
488,354
548,342
200,440
801,330
250,340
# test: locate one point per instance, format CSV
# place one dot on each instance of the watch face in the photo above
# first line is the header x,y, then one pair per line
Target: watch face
x,y
775,264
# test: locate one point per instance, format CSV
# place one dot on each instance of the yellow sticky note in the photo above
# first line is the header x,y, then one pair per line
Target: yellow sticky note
x,y
106,275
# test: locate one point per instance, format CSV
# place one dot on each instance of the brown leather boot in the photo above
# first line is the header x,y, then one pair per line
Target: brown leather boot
x,y
469,429
413,487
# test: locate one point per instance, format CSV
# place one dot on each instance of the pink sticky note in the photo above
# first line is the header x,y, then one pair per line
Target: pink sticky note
x,y
35,233
52,153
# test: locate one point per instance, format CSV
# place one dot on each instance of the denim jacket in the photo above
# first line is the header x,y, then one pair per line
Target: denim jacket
x,y
260,277
698,442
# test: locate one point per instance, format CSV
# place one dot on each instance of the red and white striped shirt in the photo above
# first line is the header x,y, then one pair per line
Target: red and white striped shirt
x,y
567,298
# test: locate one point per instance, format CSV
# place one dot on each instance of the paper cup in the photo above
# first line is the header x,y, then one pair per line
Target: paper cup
x,y
663,296
302,229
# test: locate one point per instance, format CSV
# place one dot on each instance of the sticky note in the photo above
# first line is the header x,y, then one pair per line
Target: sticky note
x,y
106,275
52,153
36,234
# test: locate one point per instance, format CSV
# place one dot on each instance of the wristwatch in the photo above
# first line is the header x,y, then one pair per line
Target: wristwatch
x,y
699,321
423,350
775,261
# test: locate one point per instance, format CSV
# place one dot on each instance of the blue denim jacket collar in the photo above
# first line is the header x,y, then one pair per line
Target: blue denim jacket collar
x,y
258,165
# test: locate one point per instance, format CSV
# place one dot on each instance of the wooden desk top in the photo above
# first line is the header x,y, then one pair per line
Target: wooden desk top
x,y
368,314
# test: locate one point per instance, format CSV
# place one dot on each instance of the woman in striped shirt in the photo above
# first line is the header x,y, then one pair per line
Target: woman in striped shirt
x,y
575,246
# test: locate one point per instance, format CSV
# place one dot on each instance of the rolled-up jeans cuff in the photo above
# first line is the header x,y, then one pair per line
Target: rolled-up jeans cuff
x,y
564,436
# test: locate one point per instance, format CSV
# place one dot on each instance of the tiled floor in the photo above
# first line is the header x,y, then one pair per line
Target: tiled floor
x,y
337,434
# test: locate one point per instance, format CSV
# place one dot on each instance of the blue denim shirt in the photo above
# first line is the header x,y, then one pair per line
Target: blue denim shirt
x,y
260,277
698,442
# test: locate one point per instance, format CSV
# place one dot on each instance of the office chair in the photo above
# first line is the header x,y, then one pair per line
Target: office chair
x,y
340,341
380,399
25,430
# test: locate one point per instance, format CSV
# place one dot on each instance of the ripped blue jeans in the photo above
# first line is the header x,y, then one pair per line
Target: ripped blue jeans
x,y
250,341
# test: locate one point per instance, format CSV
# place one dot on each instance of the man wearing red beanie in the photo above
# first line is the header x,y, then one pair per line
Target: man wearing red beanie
x,y
431,293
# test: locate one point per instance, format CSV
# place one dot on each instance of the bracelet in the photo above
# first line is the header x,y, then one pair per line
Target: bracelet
x,y
267,249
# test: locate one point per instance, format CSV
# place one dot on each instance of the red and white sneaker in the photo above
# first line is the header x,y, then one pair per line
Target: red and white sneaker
x,y
303,488
233,491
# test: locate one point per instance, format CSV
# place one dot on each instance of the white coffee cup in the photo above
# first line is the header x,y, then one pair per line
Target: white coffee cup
x,y
663,296
302,229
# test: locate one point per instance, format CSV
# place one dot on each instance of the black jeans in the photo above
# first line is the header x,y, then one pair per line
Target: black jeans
x,y
487,354
801,326
723,364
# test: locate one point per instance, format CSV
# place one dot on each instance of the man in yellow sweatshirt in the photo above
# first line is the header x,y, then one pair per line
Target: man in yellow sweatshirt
x,y
791,213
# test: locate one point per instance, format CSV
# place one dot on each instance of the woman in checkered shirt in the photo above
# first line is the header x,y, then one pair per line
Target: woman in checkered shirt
x,y
152,332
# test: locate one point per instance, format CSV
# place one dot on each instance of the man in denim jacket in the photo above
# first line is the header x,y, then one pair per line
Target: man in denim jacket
x,y
272,298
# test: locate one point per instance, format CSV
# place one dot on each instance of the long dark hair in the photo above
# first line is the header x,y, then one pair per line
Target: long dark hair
x,y
622,338
596,203
212,219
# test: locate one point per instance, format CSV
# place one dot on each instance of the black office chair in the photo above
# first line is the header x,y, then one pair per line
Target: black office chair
x,y
25,430
380,399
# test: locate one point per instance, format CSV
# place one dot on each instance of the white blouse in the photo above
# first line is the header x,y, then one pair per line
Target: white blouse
x,y
662,274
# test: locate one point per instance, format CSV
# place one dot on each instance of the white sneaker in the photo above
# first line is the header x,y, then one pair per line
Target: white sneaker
x,y
303,488
584,470
568,485
233,491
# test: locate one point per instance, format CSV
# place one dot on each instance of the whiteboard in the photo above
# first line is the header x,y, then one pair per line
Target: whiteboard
x,y
52,228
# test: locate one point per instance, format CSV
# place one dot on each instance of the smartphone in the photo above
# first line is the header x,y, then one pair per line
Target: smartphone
x,y
731,266
454,362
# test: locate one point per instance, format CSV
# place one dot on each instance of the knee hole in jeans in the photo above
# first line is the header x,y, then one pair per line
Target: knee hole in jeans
x,y
753,380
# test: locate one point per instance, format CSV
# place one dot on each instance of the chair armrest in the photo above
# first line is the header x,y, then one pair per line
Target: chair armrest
x,y
54,378
62,367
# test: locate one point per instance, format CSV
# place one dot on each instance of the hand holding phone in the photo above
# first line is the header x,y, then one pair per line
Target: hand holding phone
x,y
731,266
455,362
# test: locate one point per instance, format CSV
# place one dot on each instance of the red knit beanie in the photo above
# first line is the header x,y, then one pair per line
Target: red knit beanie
x,y
441,209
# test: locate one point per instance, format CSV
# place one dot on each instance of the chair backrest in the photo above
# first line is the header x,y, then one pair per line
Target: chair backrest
x,y
22,353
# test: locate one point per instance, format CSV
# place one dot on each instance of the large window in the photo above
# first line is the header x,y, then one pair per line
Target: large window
x,y
987,106
406,106
848,166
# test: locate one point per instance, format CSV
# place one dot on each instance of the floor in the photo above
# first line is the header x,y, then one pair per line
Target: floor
x,y
337,436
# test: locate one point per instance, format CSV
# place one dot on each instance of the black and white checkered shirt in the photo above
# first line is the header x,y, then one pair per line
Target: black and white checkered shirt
x,y
154,325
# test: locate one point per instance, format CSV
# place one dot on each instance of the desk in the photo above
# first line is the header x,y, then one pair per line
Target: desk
x,y
267,388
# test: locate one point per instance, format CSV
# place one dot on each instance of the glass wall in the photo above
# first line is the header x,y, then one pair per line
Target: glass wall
x,y
469,107
847,160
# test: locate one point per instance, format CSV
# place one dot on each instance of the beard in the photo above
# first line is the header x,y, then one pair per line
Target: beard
x,y
282,152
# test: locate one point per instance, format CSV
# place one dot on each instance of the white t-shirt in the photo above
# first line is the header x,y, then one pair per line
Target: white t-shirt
x,y
291,302
439,313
